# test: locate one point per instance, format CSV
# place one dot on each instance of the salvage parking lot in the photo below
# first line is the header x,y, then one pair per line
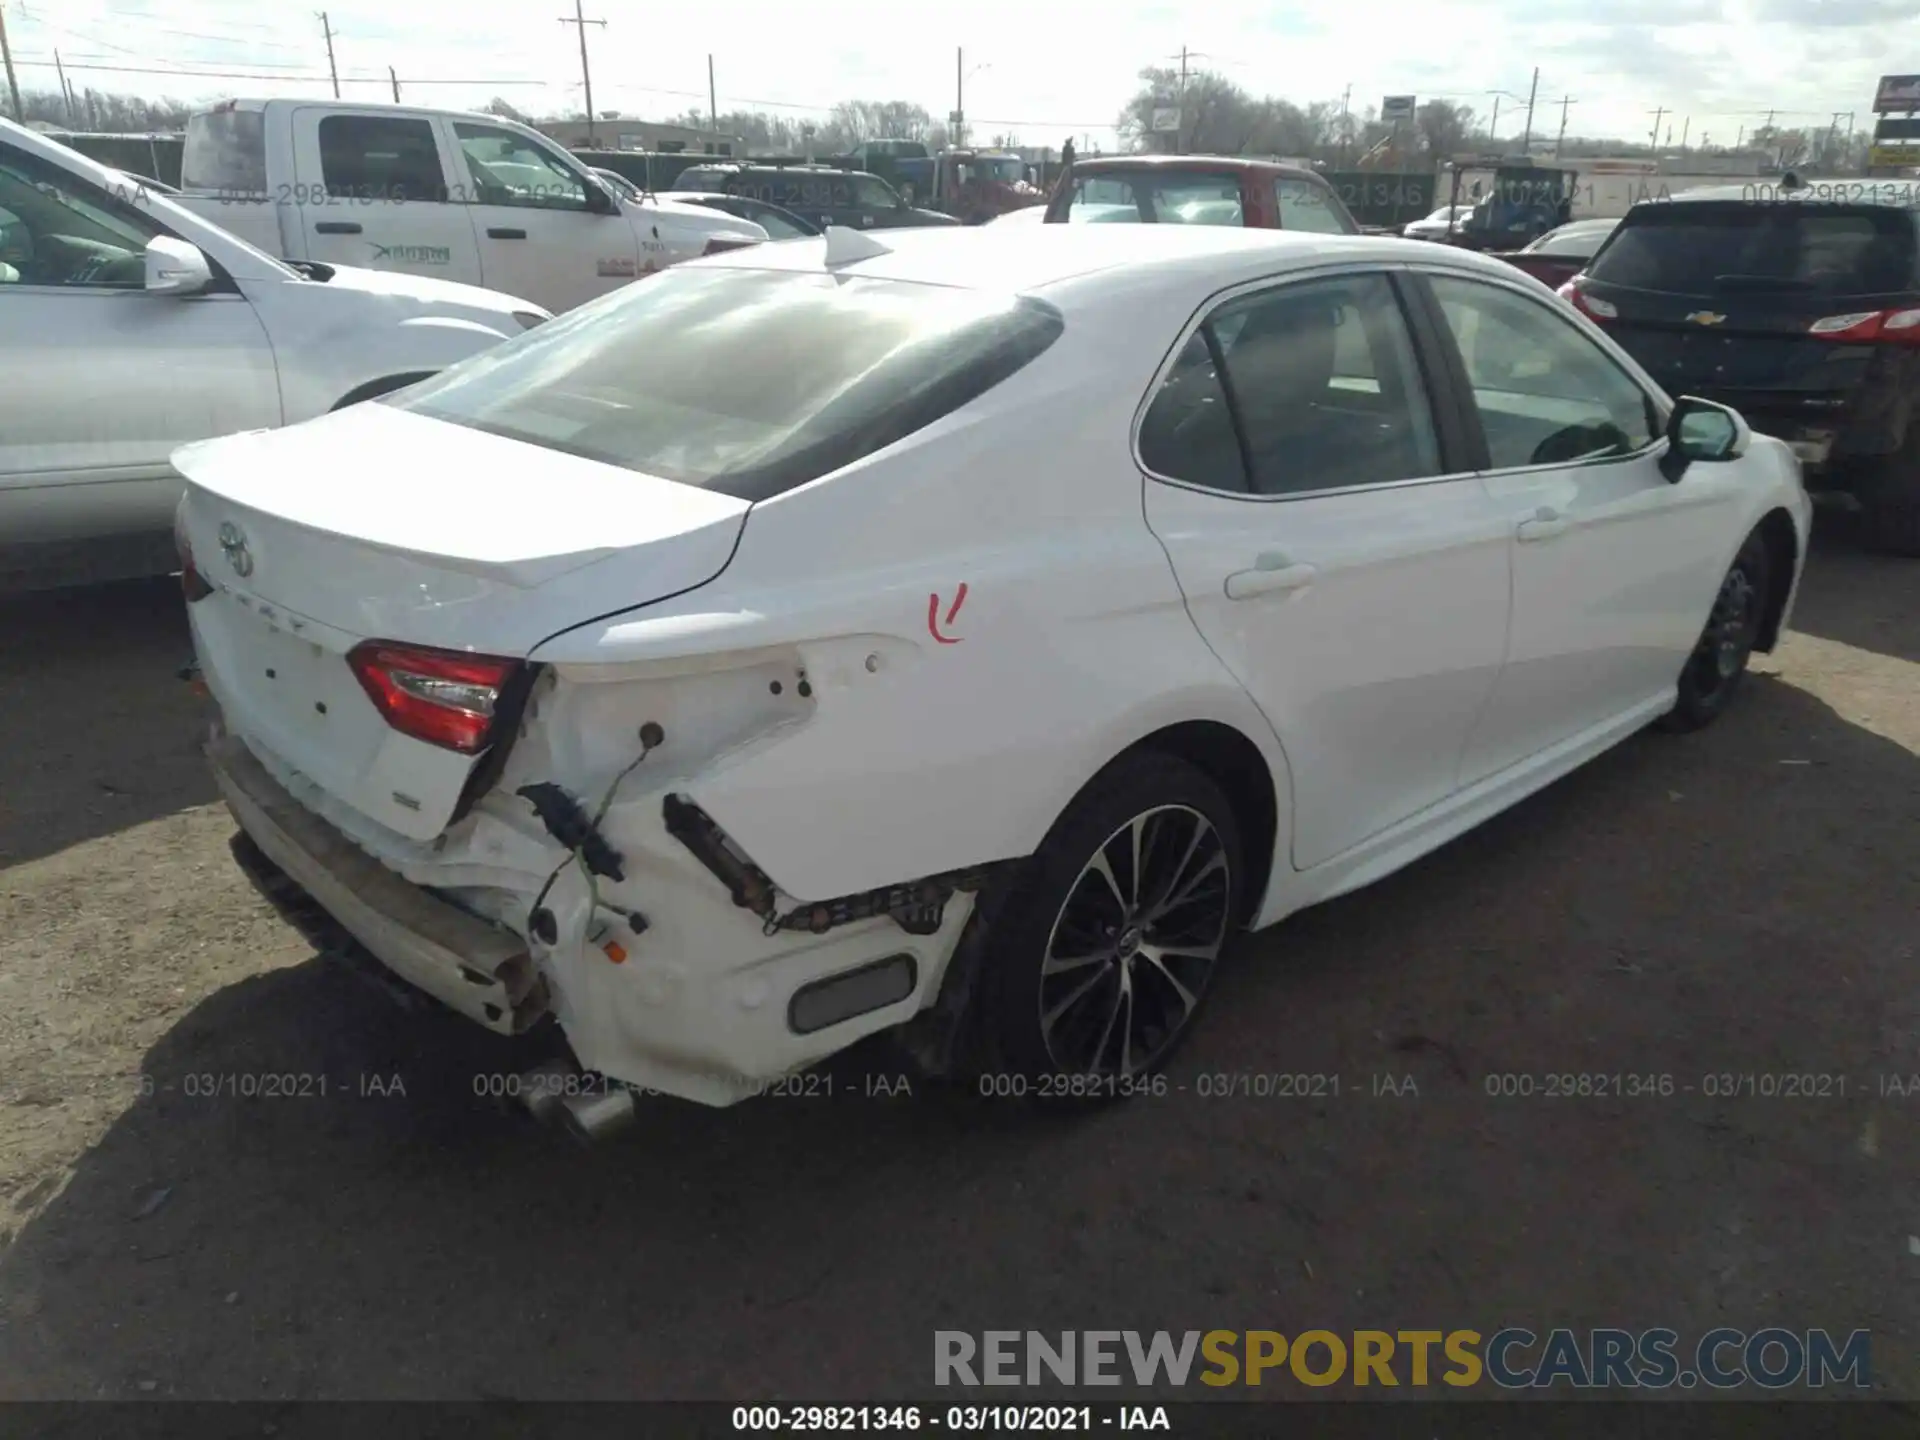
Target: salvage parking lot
x,y
1738,903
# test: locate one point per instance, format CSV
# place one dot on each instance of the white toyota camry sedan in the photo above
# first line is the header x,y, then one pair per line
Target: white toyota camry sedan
x,y
960,632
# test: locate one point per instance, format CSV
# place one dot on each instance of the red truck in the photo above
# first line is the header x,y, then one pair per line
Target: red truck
x,y
1197,190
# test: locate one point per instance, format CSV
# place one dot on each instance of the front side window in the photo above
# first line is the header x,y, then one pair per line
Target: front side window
x,y
55,229
777,225
380,157
872,193
747,382
509,169
1304,205
1319,378
1546,393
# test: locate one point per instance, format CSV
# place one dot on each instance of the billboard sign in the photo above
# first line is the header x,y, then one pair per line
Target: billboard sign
x,y
1400,107
1166,119
1897,92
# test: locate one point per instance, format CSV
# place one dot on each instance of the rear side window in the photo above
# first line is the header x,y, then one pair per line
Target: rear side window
x,y
380,157
1304,205
1318,377
226,151
1188,432
1711,247
747,382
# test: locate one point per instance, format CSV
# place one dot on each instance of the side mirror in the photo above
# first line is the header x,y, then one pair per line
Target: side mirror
x,y
600,200
1700,430
176,268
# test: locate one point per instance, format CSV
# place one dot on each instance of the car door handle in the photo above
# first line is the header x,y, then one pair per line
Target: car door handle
x,y
337,227
505,232
1271,573
1545,524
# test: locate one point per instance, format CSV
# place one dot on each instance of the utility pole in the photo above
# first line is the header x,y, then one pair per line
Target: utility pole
x,y
1565,101
1180,135
66,95
396,84
1493,127
326,29
1526,145
6,53
713,97
586,75
1740,139
1654,143
1685,130
959,96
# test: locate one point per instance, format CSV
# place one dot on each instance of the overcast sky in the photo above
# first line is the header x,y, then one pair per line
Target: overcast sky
x,y
1042,72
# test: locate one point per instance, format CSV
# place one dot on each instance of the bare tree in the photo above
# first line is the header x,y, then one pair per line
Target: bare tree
x,y
1445,128
1216,115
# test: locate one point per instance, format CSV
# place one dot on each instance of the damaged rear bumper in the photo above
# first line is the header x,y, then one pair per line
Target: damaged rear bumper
x,y
710,1002
478,969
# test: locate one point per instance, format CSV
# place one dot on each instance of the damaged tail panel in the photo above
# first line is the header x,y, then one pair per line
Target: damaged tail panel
x,y
587,882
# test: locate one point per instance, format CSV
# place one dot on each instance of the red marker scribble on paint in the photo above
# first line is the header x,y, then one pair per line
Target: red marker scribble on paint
x,y
933,614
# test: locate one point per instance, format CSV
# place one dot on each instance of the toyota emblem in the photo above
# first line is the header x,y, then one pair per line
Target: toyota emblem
x,y
233,544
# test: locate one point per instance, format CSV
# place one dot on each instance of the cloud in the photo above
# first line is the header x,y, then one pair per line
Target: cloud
x,y
1042,72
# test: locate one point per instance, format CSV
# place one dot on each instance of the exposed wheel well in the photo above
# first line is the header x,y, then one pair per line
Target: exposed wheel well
x,y
1783,549
1235,764
386,385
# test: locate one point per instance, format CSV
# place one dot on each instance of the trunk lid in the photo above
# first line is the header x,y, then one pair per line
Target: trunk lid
x,y
378,524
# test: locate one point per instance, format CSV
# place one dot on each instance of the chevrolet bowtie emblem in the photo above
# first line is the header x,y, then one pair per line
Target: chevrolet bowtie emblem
x,y
1706,317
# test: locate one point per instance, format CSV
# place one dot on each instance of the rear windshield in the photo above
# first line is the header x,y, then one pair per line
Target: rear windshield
x,y
748,382
226,150
1702,248
1160,197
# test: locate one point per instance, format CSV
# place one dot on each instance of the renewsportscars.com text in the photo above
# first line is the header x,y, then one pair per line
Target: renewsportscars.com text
x,y
1512,1358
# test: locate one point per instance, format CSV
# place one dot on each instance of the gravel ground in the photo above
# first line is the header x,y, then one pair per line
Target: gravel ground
x,y
1740,901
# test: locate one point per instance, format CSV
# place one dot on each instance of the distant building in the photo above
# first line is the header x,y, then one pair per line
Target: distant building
x,y
625,134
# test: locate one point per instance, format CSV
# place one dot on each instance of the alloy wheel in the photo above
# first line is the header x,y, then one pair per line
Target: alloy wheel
x,y
1133,948
1731,630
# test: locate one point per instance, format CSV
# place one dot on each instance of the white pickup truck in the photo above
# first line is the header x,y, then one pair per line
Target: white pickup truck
x,y
441,193
129,326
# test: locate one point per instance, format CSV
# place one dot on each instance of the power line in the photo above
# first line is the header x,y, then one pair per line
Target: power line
x,y
245,75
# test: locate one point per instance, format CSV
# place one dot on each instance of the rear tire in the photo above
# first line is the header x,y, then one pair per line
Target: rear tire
x,y
1713,672
1095,964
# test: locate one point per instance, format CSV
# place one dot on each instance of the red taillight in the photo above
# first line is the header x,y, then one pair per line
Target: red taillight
x,y
720,245
1885,327
1590,306
444,697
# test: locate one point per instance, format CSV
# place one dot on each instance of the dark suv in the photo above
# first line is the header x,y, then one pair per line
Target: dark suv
x,y
851,198
1798,305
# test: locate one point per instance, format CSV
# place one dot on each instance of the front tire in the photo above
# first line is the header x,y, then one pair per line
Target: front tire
x,y
1099,954
1713,672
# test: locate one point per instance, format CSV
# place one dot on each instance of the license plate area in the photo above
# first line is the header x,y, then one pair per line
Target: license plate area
x,y
286,679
